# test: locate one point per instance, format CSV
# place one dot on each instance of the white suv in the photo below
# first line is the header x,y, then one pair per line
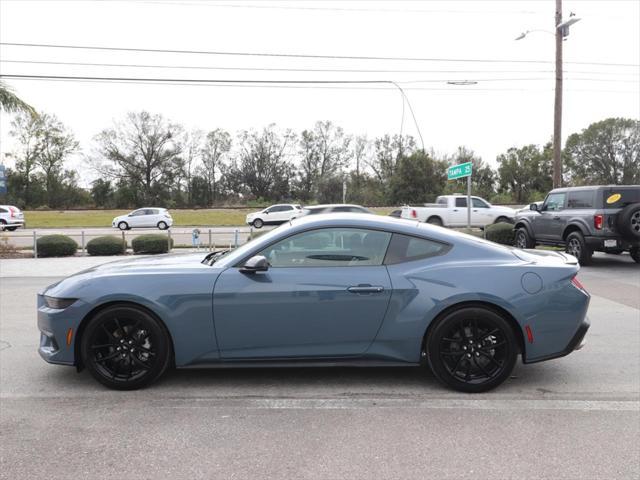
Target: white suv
x,y
10,218
274,215
144,217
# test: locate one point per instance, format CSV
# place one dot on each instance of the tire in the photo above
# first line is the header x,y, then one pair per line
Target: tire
x,y
472,350
2,225
163,225
123,226
502,220
576,246
125,328
11,229
635,254
258,223
628,222
435,221
523,239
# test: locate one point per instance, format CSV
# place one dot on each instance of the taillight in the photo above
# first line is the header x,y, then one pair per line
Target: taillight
x,y
13,212
414,214
576,283
598,221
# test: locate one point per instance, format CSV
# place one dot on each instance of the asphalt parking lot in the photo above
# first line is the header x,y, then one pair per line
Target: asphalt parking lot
x,y
573,418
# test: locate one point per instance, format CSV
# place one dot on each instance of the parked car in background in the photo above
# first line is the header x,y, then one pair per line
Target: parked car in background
x,y
326,290
335,208
451,211
144,218
11,218
584,220
526,208
396,213
274,215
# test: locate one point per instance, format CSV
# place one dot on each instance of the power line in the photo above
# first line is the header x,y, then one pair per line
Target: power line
x,y
332,85
296,55
277,69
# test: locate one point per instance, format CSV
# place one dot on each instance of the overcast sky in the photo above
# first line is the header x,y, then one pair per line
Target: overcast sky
x,y
512,103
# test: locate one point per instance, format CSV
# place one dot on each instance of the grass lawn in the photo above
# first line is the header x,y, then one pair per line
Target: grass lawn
x,y
103,218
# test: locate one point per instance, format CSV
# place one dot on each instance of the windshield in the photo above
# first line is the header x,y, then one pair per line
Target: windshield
x,y
230,257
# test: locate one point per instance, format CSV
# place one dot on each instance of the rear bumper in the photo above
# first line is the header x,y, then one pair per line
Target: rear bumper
x,y
598,243
576,343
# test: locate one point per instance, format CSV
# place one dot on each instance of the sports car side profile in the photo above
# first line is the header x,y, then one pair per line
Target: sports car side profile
x,y
326,290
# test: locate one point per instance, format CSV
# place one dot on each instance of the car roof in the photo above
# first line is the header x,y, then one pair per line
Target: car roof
x,y
593,187
333,205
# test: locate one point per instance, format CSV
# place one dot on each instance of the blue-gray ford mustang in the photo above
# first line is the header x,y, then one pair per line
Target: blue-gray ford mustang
x,y
348,290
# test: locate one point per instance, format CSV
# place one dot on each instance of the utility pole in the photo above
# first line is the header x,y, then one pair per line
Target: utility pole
x,y
557,108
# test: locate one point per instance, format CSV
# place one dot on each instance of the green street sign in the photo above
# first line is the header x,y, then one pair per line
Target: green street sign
x,y
459,171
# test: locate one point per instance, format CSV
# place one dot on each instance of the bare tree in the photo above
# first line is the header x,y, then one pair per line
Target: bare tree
x,y
143,150
216,147
26,129
191,153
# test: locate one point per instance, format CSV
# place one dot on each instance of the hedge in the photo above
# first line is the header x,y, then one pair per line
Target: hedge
x,y
107,245
56,246
151,243
500,233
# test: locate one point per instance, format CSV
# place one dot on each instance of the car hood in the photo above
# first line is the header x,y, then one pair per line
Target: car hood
x,y
177,263
506,210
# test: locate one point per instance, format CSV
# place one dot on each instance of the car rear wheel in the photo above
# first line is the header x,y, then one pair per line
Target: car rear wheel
x,y
434,221
635,254
472,350
257,223
162,225
125,348
123,226
576,246
523,239
11,229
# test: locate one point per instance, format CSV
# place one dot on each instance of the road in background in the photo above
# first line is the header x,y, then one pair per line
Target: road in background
x,y
570,418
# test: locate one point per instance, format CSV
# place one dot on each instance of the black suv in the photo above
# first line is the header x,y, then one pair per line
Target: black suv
x,y
584,220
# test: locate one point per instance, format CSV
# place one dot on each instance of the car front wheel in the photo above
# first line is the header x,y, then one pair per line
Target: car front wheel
x,y
257,223
162,225
576,246
523,239
472,350
125,348
123,226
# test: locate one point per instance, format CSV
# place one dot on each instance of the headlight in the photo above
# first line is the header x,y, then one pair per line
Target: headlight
x,y
58,303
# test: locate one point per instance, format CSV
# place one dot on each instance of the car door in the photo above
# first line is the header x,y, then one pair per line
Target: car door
x,y
458,214
285,213
325,294
136,218
480,212
549,224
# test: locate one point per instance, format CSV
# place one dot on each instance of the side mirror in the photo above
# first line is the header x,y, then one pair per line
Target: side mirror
x,y
533,206
255,264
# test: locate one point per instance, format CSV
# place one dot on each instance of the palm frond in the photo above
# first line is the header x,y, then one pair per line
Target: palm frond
x,y
11,103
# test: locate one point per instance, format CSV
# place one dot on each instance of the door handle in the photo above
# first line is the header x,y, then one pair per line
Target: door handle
x,y
360,289
455,209
556,218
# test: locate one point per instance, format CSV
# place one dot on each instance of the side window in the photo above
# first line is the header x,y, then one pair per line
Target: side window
x,y
342,209
461,202
151,211
329,247
404,248
580,199
554,202
2,210
441,200
273,209
137,213
477,203
286,208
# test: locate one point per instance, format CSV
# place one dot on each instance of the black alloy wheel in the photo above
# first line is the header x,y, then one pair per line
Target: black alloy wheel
x,y
523,239
258,223
123,226
472,350
576,246
125,348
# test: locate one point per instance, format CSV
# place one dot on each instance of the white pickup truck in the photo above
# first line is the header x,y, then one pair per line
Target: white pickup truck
x,y
451,211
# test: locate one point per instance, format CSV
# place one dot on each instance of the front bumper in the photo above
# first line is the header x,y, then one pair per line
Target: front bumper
x,y
58,329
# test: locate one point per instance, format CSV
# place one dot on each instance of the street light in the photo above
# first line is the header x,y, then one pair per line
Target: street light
x,y
561,33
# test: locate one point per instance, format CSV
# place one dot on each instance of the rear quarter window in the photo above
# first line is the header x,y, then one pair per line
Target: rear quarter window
x,y
620,197
405,248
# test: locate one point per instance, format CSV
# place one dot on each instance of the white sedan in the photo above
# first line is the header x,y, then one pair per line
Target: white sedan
x,y
144,218
274,215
